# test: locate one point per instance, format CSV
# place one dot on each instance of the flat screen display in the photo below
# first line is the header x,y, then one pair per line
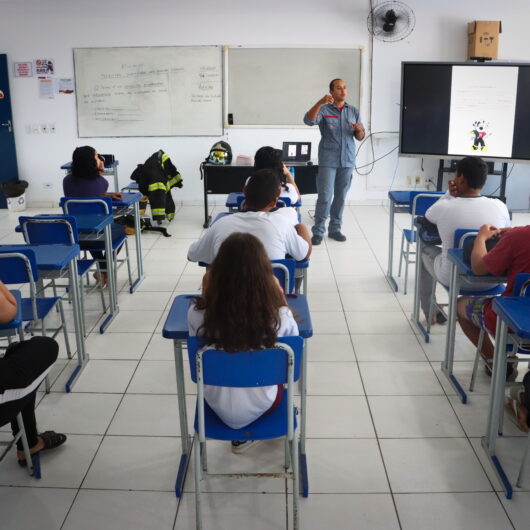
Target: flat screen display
x,y
465,109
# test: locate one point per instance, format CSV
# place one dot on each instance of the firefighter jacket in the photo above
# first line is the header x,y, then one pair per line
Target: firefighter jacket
x,y
156,177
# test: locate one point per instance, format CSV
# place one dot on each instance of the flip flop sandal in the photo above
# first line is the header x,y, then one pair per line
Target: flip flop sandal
x,y
51,440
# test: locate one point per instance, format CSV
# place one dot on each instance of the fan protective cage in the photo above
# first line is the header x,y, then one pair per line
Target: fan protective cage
x,y
404,24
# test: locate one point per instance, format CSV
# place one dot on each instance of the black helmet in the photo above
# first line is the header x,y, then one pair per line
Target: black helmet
x,y
220,154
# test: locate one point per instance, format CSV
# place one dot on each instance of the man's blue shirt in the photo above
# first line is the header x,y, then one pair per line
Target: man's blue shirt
x,y
337,145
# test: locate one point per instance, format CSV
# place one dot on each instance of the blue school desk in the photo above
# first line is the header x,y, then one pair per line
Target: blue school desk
x,y
459,269
56,258
111,170
176,328
91,225
130,203
513,313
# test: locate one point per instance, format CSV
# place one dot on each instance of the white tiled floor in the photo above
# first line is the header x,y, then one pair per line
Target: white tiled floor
x,y
389,444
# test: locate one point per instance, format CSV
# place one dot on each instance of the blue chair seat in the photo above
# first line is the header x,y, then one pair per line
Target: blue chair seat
x,y
44,306
494,291
83,265
265,427
410,235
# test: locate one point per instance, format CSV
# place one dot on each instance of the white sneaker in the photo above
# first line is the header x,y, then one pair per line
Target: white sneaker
x,y
242,447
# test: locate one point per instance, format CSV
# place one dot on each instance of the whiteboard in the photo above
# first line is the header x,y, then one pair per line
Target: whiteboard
x,y
155,91
274,86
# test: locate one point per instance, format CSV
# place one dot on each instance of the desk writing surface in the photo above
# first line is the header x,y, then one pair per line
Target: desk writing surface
x,y
176,325
515,311
49,257
90,223
126,199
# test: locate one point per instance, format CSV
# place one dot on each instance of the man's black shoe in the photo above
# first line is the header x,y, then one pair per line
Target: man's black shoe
x,y
337,236
316,240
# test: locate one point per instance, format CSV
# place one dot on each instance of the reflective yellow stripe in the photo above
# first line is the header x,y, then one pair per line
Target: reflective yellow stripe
x,y
173,181
170,216
156,186
158,211
164,158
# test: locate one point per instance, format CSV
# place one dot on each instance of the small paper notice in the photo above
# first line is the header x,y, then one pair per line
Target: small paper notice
x,y
23,69
65,85
46,87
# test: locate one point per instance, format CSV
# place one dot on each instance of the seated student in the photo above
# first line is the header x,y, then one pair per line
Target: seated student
x,y
22,364
242,307
277,234
510,256
86,180
461,207
269,158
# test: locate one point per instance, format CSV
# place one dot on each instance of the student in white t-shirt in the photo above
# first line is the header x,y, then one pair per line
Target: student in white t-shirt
x,y
461,207
242,308
278,235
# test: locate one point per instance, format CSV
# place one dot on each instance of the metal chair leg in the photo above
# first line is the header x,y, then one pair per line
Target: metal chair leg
x,y
477,358
407,262
65,331
198,500
523,463
401,253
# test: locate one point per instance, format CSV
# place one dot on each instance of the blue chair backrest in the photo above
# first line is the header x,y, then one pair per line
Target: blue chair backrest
x,y
421,201
284,270
521,287
86,205
245,369
49,229
18,265
462,234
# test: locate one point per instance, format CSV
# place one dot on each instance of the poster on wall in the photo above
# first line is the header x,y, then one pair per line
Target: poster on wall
x,y
46,87
482,111
65,85
23,69
44,66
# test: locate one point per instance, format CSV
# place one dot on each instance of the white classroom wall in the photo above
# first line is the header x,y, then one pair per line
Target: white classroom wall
x,y
52,28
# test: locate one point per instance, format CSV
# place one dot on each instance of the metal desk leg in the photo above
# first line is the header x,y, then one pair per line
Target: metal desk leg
x,y
496,405
304,480
82,356
447,363
139,256
391,247
417,283
111,277
183,417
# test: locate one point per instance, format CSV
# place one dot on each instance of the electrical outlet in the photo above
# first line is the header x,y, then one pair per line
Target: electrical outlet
x,y
35,129
409,181
418,179
51,128
47,185
44,128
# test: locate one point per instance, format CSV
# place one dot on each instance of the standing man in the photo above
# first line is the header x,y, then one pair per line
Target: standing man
x,y
339,123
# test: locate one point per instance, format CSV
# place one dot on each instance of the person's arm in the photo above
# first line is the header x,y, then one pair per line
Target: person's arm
x,y
479,249
114,195
289,178
8,305
358,131
303,232
312,113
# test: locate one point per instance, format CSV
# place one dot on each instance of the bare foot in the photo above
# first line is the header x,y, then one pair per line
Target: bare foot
x,y
39,446
103,278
